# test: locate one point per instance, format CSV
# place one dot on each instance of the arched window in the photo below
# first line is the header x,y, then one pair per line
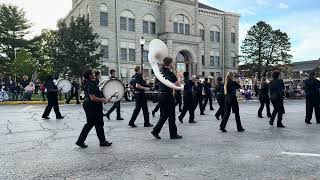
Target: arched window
x,y
234,59
149,24
215,34
103,15
233,35
202,31
127,21
181,24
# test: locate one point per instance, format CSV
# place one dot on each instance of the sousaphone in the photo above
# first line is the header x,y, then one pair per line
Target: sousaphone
x,y
158,50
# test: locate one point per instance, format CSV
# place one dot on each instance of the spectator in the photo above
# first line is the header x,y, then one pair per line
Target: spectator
x,y
11,86
43,91
3,94
37,86
29,90
24,83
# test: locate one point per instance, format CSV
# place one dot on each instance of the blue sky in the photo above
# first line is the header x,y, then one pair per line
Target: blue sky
x,y
299,18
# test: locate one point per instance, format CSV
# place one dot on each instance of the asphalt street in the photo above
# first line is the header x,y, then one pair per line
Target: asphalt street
x,y
32,148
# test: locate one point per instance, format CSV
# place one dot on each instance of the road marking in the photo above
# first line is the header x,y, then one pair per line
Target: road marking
x,y
301,154
27,108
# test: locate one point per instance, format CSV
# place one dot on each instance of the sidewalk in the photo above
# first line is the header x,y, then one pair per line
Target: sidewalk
x,y
33,102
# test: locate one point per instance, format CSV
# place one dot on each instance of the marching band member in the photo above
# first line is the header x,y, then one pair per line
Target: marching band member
x,y
167,102
231,102
116,105
312,86
208,94
93,107
140,87
52,95
276,87
188,101
198,97
264,97
219,92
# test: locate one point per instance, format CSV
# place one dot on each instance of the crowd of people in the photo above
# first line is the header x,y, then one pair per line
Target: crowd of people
x,y
12,90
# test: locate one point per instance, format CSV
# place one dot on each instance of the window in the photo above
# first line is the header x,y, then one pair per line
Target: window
x,y
145,56
181,28
234,59
233,35
203,60
132,55
217,37
131,25
211,60
212,36
103,15
202,34
218,60
123,54
104,51
152,28
218,74
203,74
103,19
123,23
233,38
181,24
127,21
149,25
146,27
176,27
187,29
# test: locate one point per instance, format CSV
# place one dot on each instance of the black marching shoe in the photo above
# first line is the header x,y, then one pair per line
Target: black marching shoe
x,y
217,117
223,130
148,125
61,117
318,122
45,117
120,119
271,123
211,109
108,116
180,119
202,114
153,114
260,116
308,122
192,121
269,115
155,135
105,144
82,145
176,137
241,130
132,125
281,126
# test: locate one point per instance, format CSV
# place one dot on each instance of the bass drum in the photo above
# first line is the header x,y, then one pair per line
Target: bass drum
x,y
64,85
113,90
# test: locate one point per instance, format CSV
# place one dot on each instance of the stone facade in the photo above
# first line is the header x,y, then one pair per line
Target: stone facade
x,y
177,23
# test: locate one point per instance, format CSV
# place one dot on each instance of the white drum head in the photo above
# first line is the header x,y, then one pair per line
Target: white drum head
x,y
64,85
113,90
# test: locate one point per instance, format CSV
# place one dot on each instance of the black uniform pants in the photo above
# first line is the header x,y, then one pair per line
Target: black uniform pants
x,y
116,105
167,112
312,103
231,102
198,100
277,109
52,103
156,109
221,103
208,97
74,94
141,102
178,101
94,119
264,101
188,105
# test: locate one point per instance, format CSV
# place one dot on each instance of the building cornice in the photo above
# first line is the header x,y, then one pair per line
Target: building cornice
x,y
207,12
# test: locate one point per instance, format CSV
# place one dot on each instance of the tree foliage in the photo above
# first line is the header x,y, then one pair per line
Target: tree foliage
x,y
76,47
23,64
264,46
13,27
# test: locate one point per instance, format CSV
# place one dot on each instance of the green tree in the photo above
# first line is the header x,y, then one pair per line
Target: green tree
x,y
23,64
13,27
264,46
76,47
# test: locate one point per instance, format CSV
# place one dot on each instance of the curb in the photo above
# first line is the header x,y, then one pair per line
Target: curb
x,y
32,102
